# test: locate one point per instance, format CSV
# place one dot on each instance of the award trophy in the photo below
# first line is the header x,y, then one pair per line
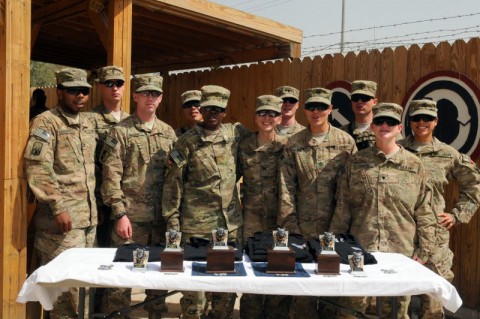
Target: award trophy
x,y
328,261
172,256
356,262
220,257
140,260
281,258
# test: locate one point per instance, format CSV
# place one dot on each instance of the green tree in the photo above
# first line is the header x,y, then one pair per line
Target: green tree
x,y
43,74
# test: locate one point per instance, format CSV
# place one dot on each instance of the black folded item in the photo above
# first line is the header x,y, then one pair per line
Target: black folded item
x,y
196,249
261,242
125,252
345,244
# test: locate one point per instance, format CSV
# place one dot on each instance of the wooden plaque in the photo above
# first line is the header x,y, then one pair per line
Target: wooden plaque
x,y
220,260
172,261
281,261
328,264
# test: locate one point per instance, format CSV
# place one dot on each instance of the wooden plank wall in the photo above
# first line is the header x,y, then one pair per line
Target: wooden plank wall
x,y
395,70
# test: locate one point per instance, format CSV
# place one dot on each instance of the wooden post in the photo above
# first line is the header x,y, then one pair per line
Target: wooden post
x,y
120,42
14,109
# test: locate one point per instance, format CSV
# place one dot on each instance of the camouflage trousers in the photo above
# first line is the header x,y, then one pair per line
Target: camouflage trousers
x,y
311,307
49,245
441,264
264,306
117,298
211,305
361,304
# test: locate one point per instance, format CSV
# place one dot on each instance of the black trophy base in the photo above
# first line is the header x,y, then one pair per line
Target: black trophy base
x,y
172,261
220,260
328,264
280,261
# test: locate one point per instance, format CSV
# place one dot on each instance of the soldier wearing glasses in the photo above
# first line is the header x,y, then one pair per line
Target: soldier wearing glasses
x,y
308,175
61,173
384,201
289,125
200,190
105,115
443,163
134,160
191,110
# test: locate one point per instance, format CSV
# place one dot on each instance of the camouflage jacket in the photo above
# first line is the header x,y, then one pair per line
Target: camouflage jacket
x,y
134,161
443,163
363,139
60,168
308,175
294,129
200,190
103,121
182,130
259,168
385,203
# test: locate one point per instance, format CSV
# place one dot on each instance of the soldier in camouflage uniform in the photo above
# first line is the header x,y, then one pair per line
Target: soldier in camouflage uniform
x,y
442,163
390,210
289,125
61,173
191,110
259,156
200,191
105,115
308,173
134,160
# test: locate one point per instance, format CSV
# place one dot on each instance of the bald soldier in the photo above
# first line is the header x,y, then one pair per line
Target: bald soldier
x,y
60,166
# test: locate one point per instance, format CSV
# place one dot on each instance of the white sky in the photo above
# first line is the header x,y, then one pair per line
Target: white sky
x,y
443,20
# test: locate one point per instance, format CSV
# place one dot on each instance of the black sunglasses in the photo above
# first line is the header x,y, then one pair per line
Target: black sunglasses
x,y
363,97
270,113
390,122
316,106
191,104
77,90
213,109
290,100
111,84
152,93
422,117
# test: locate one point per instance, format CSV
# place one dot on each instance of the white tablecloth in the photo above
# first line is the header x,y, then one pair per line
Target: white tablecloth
x,y
78,267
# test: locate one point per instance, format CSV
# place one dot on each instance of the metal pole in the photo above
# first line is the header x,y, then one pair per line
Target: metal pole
x,y
343,27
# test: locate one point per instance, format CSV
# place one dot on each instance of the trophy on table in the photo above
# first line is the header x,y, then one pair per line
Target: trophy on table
x,y
172,239
220,257
281,258
280,239
172,256
220,237
356,262
140,259
328,261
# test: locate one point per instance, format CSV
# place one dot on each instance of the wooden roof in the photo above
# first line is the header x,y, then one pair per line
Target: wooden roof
x,y
166,35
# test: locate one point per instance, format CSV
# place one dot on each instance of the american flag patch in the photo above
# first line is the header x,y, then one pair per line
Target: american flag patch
x,y
176,157
42,134
111,141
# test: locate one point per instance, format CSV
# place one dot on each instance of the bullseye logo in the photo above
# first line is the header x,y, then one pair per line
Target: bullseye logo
x,y
342,113
458,107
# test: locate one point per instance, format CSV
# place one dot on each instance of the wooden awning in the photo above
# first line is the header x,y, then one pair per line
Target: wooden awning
x,y
166,34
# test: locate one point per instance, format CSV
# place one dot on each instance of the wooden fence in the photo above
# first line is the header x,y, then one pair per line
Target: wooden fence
x,y
395,71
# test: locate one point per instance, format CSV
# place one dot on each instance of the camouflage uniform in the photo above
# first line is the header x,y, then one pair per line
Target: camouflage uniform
x,y
189,98
180,131
284,92
134,162
201,194
259,167
60,170
443,163
294,129
390,211
362,139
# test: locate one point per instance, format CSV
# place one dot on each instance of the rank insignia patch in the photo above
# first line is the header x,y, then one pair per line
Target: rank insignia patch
x,y
36,149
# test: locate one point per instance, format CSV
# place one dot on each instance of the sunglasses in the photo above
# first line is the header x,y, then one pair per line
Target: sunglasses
x,y
390,122
190,105
270,113
151,93
77,90
111,84
422,117
213,109
316,106
363,97
289,100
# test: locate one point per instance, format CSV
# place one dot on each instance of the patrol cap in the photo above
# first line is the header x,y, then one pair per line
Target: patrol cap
x,y
193,95
214,95
427,107
71,77
110,72
148,82
287,91
268,102
364,87
391,110
318,95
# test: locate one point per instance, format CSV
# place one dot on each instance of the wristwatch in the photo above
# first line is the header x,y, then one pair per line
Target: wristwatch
x,y
120,215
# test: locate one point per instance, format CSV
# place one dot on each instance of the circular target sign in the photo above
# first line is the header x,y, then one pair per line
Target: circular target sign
x,y
342,113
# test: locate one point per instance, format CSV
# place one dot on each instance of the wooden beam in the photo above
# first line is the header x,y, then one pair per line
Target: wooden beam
x,y
119,50
59,10
100,24
34,34
14,109
2,13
